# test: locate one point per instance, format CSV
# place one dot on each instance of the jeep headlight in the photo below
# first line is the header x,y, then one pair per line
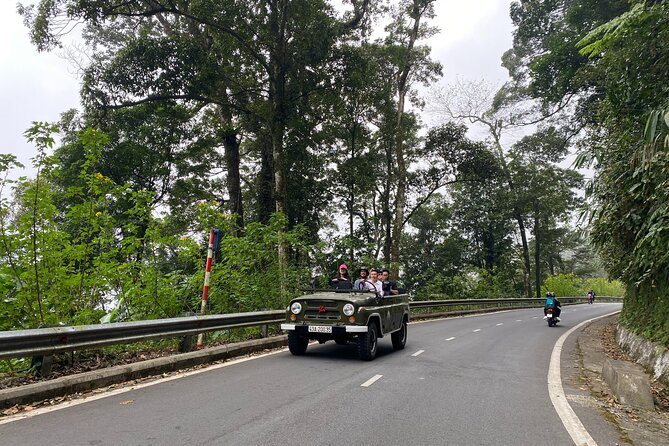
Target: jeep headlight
x,y
349,309
296,308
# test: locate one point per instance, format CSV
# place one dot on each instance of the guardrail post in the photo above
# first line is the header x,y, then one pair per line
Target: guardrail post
x,y
42,364
186,342
263,331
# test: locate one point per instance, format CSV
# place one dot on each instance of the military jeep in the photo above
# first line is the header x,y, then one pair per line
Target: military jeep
x,y
359,316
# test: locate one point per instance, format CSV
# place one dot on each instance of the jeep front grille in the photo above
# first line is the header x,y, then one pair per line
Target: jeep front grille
x,y
322,310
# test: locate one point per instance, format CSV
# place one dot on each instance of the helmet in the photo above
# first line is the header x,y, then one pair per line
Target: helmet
x,y
548,294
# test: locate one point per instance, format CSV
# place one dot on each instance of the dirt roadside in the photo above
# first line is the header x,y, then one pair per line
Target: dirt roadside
x,y
635,427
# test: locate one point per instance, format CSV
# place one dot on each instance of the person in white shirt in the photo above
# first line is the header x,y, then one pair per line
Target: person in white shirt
x,y
374,283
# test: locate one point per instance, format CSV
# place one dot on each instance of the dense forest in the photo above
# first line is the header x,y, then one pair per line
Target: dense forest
x,y
295,127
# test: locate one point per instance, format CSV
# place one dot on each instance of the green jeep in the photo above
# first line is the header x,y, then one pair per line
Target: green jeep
x,y
344,316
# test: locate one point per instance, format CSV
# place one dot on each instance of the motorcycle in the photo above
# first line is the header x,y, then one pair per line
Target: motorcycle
x,y
551,318
590,298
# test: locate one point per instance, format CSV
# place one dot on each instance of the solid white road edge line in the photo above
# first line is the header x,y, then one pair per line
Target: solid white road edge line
x,y
569,418
371,381
418,352
86,399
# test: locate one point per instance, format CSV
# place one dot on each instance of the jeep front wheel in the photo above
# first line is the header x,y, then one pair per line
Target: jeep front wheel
x,y
297,344
367,343
399,337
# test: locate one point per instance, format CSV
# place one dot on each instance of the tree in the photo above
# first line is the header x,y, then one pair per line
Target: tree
x,y
235,62
475,103
617,80
546,193
412,62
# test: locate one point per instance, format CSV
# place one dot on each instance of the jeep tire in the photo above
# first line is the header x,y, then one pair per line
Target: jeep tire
x,y
399,337
297,344
368,342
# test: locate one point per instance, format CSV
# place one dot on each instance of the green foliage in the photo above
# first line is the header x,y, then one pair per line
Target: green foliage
x,y
573,286
619,84
471,284
563,285
646,312
104,255
247,278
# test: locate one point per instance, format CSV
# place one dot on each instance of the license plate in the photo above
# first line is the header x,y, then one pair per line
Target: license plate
x,y
320,329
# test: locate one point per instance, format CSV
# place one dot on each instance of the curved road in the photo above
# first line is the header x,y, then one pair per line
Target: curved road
x,y
464,381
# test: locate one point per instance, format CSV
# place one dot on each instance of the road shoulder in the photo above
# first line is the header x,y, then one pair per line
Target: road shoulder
x,y
608,421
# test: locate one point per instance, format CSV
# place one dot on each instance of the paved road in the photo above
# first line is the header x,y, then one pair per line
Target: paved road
x,y
466,381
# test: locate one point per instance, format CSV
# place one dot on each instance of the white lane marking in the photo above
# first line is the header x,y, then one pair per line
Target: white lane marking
x,y
41,410
418,352
451,338
535,317
569,418
478,329
500,324
371,381
519,320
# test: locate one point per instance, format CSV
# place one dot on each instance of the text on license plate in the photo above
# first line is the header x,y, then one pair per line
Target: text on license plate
x,y
320,329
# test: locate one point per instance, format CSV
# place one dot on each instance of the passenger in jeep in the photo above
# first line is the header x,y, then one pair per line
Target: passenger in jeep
x,y
374,283
389,286
342,281
364,276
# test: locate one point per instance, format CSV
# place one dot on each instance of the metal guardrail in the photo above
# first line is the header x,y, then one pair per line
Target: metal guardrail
x,y
49,341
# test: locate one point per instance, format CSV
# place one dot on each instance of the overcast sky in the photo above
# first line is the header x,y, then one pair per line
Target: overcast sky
x,y
40,86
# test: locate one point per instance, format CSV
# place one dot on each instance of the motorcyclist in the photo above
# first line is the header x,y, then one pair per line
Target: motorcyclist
x,y
554,303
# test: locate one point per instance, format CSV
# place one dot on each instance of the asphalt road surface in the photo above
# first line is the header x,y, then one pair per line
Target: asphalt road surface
x,y
463,381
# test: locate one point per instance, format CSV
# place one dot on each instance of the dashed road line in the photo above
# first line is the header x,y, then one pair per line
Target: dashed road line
x,y
519,320
371,381
478,329
418,352
451,338
501,323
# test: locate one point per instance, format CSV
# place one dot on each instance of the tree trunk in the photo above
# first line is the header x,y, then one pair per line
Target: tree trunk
x,y
526,255
266,181
537,256
400,194
386,214
496,129
402,88
232,161
277,68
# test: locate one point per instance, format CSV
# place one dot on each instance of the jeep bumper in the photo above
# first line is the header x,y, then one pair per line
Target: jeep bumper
x,y
302,329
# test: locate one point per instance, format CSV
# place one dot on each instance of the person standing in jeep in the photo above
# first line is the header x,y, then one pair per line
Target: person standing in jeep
x,y
342,281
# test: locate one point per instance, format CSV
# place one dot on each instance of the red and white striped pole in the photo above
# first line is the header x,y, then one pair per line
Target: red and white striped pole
x,y
205,289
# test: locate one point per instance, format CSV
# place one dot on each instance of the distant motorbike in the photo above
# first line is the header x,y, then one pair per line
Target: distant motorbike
x,y
551,318
590,298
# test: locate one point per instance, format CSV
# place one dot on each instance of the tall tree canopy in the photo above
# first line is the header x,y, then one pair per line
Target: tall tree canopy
x,y
609,60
